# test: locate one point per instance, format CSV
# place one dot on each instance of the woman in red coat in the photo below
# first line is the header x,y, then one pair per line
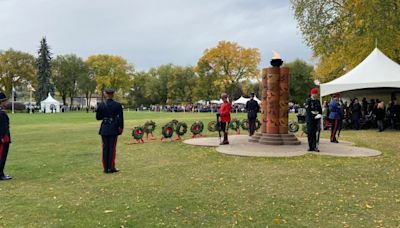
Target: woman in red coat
x,y
225,117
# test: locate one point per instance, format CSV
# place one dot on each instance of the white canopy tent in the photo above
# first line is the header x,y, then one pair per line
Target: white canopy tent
x,y
49,105
241,100
376,71
216,101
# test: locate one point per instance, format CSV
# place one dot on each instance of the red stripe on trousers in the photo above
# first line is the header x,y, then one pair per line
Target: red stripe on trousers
x,y
1,150
334,130
102,152
114,153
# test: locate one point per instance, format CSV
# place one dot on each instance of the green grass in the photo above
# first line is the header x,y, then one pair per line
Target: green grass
x,y
56,163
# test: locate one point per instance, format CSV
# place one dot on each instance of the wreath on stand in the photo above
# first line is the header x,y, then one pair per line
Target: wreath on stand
x,y
197,128
149,128
235,125
137,133
180,130
212,126
245,124
167,131
293,127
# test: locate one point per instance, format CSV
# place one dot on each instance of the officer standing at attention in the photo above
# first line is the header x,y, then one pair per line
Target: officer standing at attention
x,y
252,109
335,113
313,119
225,117
112,125
5,137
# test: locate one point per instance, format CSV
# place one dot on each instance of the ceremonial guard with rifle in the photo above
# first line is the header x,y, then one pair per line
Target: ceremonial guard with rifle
x,y
313,119
5,137
112,125
252,109
225,117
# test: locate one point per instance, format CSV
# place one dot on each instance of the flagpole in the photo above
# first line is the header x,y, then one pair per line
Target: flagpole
x,y
12,99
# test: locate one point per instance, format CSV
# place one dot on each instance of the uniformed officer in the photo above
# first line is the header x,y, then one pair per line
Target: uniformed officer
x,y
313,119
112,125
5,137
225,117
335,115
252,109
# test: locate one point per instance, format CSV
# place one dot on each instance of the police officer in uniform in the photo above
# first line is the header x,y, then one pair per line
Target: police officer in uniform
x,y
313,119
5,137
112,125
252,109
225,117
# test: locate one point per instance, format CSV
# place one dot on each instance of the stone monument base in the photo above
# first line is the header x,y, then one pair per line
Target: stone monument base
x,y
275,139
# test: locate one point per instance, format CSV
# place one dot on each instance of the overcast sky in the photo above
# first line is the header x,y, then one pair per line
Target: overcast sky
x,y
150,32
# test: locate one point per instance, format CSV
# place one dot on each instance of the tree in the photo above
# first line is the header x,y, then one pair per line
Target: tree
x,y
15,68
300,80
67,69
43,62
110,71
180,85
87,84
205,88
231,63
342,33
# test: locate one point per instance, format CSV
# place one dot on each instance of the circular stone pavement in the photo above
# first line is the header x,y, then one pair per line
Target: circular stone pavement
x,y
240,146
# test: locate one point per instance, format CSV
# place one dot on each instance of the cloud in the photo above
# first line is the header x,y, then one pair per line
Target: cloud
x,y
153,32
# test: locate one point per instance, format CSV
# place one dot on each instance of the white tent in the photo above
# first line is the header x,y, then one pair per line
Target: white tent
x,y
256,99
241,100
216,101
376,71
50,105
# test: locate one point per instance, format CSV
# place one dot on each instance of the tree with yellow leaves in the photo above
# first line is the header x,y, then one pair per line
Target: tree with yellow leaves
x,y
231,63
342,33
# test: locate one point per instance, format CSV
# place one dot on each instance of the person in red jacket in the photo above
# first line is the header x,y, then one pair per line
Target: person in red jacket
x,y
225,117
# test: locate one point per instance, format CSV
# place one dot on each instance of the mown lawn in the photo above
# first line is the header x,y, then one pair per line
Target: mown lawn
x,y
58,181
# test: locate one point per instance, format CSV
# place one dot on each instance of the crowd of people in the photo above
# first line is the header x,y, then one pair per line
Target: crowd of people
x,y
360,115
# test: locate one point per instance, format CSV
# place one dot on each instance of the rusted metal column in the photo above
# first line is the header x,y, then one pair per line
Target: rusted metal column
x,y
284,100
273,76
264,101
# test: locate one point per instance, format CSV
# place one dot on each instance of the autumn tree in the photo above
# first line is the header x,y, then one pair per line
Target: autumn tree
x,y
231,63
110,71
342,33
43,62
180,85
205,88
86,84
15,68
301,80
66,71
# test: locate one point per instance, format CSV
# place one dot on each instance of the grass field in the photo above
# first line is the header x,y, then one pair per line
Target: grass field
x,y
58,181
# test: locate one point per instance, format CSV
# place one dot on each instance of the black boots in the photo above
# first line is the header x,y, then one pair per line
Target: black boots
x,y
225,142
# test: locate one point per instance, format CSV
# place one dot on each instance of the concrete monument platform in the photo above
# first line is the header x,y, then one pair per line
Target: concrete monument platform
x,y
240,146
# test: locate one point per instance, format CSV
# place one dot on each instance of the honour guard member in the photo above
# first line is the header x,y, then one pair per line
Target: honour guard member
x,y
225,117
5,137
335,113
252,109
313,119
112,125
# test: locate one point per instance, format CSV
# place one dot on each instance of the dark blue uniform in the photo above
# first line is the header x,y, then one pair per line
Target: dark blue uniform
x,y
313,108
252,109
5,140
112,125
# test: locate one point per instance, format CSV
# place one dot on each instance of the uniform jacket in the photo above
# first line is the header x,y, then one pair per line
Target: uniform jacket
x,y
334,110
313,107
110,112
225,112
4,127
252,109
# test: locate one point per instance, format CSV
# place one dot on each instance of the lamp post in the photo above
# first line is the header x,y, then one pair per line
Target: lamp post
x,y
14,79
31,89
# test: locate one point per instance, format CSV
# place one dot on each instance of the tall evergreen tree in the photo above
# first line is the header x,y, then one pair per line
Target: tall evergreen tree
x,y
45,85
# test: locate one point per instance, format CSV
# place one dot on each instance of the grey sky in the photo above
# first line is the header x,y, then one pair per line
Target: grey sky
x,y
150,32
